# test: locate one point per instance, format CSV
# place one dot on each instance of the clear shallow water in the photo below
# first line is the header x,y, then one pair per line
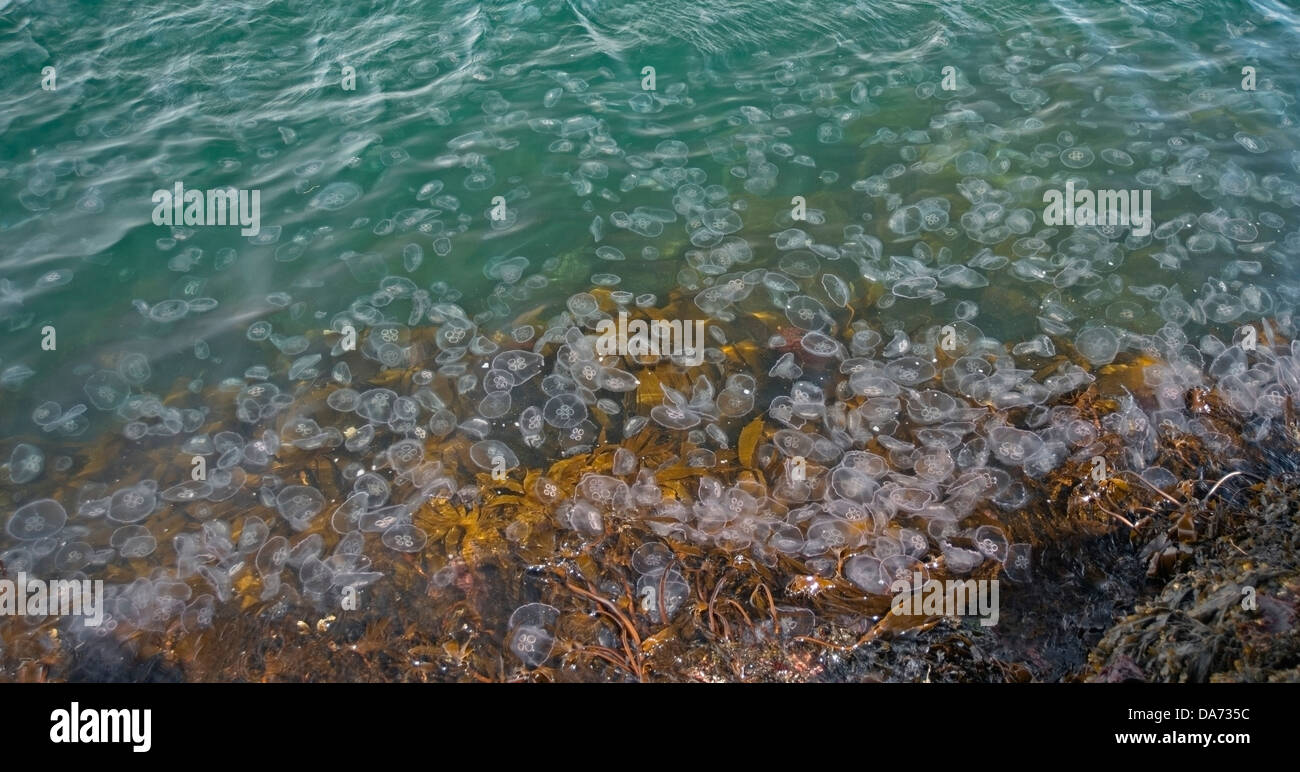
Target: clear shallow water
x,y
691,184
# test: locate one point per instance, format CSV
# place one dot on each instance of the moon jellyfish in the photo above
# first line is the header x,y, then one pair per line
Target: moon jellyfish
x,y
959,560
906,220
199,614
674,417
530,637
1251,143
910,370
1239,230
807,313
865,572
582,304
133,504
107,390
190,490
134,368
495,404
991,542
915,287
138,546
493,455
1018,563
168,310
26,463
1014,446
335,195
836,289
47,414
73,556
660,592
1098,345
37,520
1077,157
299,504
252,535
564,411
405,455
651,556
343,400
376,405
902,569
404,537
1116,157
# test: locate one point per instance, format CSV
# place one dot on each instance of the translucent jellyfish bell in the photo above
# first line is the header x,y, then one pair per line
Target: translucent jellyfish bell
x,y
906,220
374,486
564,411
523,365
493,455
624,463
651,556
1098,345
1019,562
168,310
864,571
936,465
959,560
404,537
530,637
335,196
807,313
376,405
910,370
73,556
47,414
190,490
343,400
991,542
199,614
582,304
930,406
441,423
674,417
138,546
494,404
903,569
405,455
661,591
133,504
134,367
347,517
819,344
1077,157
26,463
299,504
1014,446
734,403
37,520
252,535
107,390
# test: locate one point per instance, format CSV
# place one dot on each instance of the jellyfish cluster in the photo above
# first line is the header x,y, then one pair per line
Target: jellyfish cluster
x,y
888,365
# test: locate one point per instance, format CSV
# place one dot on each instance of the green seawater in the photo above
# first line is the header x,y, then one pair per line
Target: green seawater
x,y
251,95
